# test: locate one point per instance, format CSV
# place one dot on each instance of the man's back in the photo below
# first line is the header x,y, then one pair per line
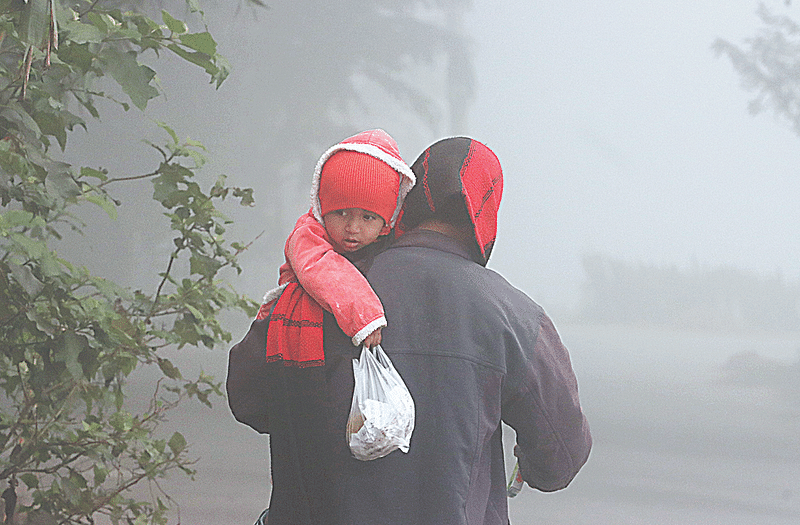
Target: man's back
x,y
465,342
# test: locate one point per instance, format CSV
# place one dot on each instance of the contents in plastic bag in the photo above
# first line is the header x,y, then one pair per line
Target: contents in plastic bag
x,y
382,413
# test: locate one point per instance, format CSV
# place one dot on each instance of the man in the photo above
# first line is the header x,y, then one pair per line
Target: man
x,y
473,351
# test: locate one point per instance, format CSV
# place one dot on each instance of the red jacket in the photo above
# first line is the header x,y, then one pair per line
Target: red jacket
x,y
331,280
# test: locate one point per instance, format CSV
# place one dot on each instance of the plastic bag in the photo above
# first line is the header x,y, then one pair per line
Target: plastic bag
x,y
382,413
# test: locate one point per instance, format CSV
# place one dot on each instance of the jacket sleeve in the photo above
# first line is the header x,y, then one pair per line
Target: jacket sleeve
x,y
540,402
333,281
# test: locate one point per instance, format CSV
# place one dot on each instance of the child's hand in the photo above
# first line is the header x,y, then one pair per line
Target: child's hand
x,y
373,339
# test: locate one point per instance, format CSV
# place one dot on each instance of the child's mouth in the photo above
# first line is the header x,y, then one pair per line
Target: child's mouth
x,y
350,243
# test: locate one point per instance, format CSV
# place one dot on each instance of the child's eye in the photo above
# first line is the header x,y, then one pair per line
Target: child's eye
x,y
369,217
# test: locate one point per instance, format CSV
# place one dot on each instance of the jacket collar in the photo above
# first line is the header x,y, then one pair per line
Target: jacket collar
x,y
421,238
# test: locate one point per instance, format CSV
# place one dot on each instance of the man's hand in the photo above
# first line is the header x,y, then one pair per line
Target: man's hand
x,y
522,461
373,339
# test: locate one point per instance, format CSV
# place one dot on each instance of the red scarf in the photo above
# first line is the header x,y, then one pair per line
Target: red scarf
x,y
294,333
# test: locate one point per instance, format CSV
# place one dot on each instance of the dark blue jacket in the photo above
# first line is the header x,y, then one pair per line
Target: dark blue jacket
x,y
473,351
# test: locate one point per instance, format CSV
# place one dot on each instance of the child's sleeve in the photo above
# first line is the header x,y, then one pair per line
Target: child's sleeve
x,y
333,281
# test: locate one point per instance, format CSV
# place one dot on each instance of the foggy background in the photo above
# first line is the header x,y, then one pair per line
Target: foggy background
x,y
644,209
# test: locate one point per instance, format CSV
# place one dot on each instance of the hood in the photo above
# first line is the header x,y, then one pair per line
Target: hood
x,y
459,165
374,142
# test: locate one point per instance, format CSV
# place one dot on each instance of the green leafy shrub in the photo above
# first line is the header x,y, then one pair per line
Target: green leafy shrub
x,y
70,340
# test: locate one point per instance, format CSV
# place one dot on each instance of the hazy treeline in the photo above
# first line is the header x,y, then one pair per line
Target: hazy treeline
x,y
699,297
749,369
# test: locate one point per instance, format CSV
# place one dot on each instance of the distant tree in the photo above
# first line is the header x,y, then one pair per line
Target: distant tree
x,y
716,298
70,340
324,55
769,65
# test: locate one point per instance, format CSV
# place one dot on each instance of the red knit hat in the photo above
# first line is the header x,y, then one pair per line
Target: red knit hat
x,y
350,179
359,178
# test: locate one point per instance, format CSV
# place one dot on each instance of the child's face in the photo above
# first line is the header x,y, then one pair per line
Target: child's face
x,y
353,228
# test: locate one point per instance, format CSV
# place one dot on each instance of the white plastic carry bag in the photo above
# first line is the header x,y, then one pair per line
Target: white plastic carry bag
x,y
382,413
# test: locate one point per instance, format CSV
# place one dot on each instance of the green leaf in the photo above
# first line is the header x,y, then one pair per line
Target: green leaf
x,y
14,218
52,125
202,42
177,443
195,144
77,55
133,77
195,57
35,22
100,474
195,312
169,370
69,354
121,421
25,278
204,265
103,21
176,26
91,172
82,33
25,123
43,324
169,130
33,248
198,158
104,202
62,183
109,289
30,480
246,196
70,487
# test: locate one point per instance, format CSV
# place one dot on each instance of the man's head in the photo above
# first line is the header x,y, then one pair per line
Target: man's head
x,y
460,183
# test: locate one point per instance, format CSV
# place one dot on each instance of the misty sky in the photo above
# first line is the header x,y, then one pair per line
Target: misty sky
x,y
621,132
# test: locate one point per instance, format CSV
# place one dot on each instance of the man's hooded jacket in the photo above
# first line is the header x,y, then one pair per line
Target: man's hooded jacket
x,y
474,352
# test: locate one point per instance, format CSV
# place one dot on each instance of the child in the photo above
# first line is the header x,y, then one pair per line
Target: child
x,y
357,192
